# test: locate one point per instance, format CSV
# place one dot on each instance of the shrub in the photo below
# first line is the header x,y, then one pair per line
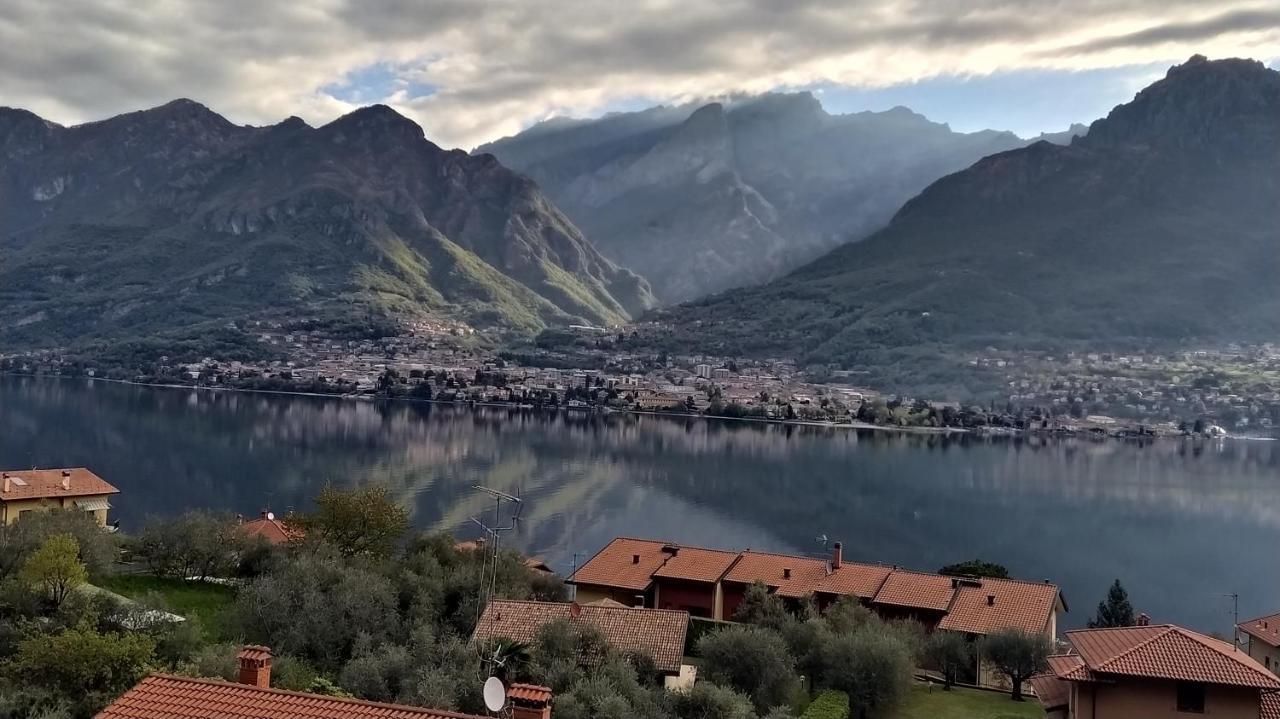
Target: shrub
x,y
828,705
752,660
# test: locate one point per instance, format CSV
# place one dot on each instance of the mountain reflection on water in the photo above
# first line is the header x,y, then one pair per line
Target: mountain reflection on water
x,y
1180,523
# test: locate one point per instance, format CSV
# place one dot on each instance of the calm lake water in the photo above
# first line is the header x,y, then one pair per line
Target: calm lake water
x,y
1180,523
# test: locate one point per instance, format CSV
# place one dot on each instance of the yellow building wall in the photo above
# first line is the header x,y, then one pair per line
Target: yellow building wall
x,y
11,510
1158,700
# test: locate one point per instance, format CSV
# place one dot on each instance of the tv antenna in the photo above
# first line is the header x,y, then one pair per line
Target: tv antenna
x,y
493,533
1235,619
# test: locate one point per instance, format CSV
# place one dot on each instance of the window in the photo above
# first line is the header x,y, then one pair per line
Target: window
x,y
1191,697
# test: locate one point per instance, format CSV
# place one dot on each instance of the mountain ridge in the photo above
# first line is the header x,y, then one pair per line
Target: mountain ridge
x,y
174,218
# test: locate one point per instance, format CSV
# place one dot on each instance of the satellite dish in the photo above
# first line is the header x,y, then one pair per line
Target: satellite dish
x,y
271,515
495,695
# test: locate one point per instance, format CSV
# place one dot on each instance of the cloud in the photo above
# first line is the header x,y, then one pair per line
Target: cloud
x,y
472,70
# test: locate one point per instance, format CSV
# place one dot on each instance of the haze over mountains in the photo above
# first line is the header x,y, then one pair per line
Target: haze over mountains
x,y
175,220
699,199
1161,225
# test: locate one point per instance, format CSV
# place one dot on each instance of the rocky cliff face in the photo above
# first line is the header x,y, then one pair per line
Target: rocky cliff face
x,y
700,199
175,218
1160,226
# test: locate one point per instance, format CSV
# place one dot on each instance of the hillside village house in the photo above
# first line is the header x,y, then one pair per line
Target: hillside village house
x,y
711,583
37,490
657,633
270,529
1155,671
164,696
1264,641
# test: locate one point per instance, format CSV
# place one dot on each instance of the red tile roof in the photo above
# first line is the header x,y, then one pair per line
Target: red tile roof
x,y
660,633
1052,692
1264,629
271,529
1025,606
161,696
1166,652
632,564
917,591
1068,666
529,693
1270,706
38,483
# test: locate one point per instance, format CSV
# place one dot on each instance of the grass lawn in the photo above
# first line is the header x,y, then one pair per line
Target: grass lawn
x,y
206,603
925,703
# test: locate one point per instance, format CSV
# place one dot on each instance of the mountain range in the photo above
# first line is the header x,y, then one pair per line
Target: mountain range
x,y
1161,225
174,220
702,198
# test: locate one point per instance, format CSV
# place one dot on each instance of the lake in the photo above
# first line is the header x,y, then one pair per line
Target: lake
x,y
1181,523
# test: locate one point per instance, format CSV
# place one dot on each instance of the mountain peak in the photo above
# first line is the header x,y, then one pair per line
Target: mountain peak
x,y
375,120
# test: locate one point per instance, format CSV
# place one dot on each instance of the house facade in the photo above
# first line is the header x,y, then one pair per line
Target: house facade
x,y
711,584
40,490
1155,671
1263,642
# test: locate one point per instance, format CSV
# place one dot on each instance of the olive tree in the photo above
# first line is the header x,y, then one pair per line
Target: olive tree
x,y
1019,655
751,660
950,653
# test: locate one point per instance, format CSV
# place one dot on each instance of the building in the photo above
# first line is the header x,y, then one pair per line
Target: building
x,y
1264,641
712,583
703,371
658,633
270,528
163,696
1155,671
34,490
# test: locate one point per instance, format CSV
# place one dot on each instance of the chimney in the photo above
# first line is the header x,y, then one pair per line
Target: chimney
x,y
255,666
786,572
6,481
635,559
639,601
991,600
529,701
1144,620
66,479
837,555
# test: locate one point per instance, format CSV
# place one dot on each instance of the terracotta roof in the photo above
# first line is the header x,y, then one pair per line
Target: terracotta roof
x,y
255,652
917,591
1264,629
271,529
633,564
623,563
1271,706
697,565
1025,606
37,483
1068,666
1168,652
529,693
660,633
1052,692
161,696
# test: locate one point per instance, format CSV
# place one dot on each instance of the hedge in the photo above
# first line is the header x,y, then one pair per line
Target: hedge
x,y
828,705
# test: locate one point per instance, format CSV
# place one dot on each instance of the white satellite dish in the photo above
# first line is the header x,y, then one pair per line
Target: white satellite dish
x,y
271,515
495,695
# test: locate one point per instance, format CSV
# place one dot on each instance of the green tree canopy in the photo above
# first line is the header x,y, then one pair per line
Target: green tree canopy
x,y
1018,655
975,568
1115,610
82,664
751,660
950,653
365,520
56,568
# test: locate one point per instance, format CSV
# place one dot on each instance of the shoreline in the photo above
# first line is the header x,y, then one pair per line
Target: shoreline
x,y
855,425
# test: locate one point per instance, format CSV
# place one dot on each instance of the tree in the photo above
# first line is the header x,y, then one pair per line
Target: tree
x,y
873,667
761,607
751,660
1018,655
56,568
708,701
197,544
82,663
358,521
98,549
1115,610
949,652
975,568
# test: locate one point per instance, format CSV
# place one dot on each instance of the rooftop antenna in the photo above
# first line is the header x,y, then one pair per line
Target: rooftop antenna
x,y
494,533
1235,619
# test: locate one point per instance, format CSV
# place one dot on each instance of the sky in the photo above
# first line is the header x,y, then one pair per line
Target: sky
x,y
470,71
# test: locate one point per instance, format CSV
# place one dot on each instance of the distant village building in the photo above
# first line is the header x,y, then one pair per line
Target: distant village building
x,y
37,490
270,528
1154,671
